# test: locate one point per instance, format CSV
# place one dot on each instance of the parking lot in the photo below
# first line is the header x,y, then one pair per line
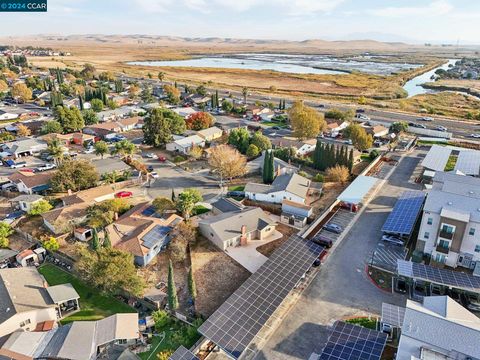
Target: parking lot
x,y
341,218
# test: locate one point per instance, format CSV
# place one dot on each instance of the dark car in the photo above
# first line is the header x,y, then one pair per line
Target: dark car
x,y
349,206
236,193
322,240
150,168
360,111
333,228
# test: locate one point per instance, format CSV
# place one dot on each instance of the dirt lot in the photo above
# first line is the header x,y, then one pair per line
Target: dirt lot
x,y
329,193
269,248
217,276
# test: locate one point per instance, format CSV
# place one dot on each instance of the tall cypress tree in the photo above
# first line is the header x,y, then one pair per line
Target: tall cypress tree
x,y
192,288
345,156
350,161
217,103
173,195
171,289
268,167
95,242
80,102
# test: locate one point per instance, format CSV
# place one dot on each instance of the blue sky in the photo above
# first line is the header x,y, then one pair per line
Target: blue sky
x,y
403,20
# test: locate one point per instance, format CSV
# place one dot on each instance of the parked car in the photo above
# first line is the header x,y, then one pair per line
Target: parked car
x,y
46,167
476,136
360,111
150,155
89,150
150,168
441,128
236,193
362,117
348,206
426,118
124,194
322,240
162,158
18,165
392,240
154,175
333,228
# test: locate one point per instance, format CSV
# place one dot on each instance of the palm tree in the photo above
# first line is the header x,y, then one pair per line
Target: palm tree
x,y
125,149
245,93
55,149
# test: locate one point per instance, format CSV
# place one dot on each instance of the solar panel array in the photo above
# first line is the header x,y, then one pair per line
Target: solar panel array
x,y
393,314
182,353
404,215
438,276
240,318
353,342
158,232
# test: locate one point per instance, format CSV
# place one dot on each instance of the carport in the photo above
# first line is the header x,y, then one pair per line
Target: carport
x,y
357,190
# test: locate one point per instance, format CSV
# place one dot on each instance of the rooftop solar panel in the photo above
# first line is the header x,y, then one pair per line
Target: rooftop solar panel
x,y
155,235
239,319
182,353
404,215
393,314
353,342
438,276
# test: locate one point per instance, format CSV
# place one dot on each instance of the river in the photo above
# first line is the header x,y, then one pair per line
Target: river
x,y
413,87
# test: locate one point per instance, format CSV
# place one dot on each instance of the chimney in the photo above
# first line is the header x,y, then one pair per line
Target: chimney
x,y
279,170
243,237
69,192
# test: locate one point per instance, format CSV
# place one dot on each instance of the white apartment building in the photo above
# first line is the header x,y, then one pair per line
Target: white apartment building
x,y
450,227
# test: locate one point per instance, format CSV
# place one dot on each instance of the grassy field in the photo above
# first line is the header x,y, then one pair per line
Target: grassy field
x,y
236,188
200,209
93,305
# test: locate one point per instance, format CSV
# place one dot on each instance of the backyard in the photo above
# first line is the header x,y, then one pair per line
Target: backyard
x,y
93,305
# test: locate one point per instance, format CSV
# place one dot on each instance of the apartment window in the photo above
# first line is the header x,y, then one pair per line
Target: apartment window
x,y
426,235
429,221
444,244
448,229
477,248
440,258
471,231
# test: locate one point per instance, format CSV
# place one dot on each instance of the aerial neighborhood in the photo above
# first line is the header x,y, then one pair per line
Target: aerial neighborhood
x,y
145,215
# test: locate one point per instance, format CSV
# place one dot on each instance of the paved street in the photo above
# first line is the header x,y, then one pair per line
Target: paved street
x,y
341,288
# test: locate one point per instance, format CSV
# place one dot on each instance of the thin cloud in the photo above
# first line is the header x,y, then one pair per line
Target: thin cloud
x,y
435,8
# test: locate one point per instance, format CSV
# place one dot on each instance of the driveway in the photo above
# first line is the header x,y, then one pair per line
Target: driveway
x,y
342,287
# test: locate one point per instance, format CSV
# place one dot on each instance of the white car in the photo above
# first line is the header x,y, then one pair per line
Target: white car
x,y
46,167
89,150
392,240
151,155
362,117
427,118
441,128
154,175
476,136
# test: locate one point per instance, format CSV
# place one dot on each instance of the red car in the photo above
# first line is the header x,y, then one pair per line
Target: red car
x,y
349,207
162,158
124,194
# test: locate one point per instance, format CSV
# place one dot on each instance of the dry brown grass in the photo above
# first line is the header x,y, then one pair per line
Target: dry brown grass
x,y
269,248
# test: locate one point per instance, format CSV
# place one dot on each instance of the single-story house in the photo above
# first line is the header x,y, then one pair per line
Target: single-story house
x,y
141,233
282,167
7,116
210,134
253,110
291,187
130,123
184,145
303,147
237,228
377,131
119,113
74,210
25,147
184,111
229,123
25,202
295,214
109,165
103,129
72,138
334,127
31,183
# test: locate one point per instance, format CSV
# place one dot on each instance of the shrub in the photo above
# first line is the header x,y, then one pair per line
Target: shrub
x,y
319,178
373,154
303,173
178,159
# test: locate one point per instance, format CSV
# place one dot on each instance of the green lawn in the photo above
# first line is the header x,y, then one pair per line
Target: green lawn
x,y
176,334
200,209
452,160
236,188
273,123
93,305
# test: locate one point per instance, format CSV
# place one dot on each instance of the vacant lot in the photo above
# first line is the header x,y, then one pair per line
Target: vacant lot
x,y
330,193
93,305
217,276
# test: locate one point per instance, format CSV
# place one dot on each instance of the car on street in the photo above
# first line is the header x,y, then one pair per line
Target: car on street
x,y
124,194
475,136
236,193
154,175
162,158
18,165
470,302
150,155
322,240
426,118
150,168
337,229
362,117
360,111
46,167
441,128
392,240
415,125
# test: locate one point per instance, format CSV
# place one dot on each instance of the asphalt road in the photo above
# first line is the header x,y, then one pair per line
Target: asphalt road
x,y
341,288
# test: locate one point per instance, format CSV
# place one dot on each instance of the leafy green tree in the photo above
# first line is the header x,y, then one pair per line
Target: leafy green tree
x,y
96,105
162,204
192,288
70,118
171,289
306,122
240,139
399,127
162,319
51,244
337,114
186,201
106,239
161,76
95,243
101,148
268,172
5,232
56,150
227,106
159,126
110,270
261,141
90,116
252,151
39,207
173,94
124,148
360,139
74,175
